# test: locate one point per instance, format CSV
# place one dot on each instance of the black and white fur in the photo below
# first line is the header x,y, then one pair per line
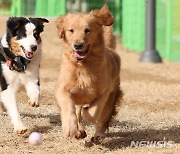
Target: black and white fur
x,y
26,32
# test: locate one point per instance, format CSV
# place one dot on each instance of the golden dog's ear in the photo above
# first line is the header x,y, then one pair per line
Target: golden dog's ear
x,y
59,24
103,16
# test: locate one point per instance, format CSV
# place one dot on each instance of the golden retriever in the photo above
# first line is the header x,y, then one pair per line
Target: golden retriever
x,y
88,83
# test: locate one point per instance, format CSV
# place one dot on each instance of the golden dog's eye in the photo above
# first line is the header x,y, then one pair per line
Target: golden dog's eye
x,y
87,30
71,30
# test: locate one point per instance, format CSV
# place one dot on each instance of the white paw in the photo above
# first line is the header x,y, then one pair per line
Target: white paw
x,y
2,107
20,129
33,103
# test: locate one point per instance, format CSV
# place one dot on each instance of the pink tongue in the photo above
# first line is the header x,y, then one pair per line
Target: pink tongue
x,y
78,55
29,54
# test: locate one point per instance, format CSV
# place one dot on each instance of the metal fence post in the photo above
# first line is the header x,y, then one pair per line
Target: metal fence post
x,y
150,54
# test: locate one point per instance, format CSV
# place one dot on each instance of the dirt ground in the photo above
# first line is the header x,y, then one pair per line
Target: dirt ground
x,y
150,110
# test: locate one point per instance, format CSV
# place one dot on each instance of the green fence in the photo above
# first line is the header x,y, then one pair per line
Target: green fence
x,y
167,27
133,24
53,8
129,19
174,31
50,8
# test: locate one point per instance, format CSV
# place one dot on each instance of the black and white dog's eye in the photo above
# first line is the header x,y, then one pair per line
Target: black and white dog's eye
x,y
71,30
36,35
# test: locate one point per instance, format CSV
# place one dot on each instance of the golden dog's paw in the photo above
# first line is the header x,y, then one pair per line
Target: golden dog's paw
x,y
98,138
70,131
20,129
33,103
80,134
69,127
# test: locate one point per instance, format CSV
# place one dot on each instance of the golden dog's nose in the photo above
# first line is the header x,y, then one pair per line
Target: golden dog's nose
x,y
78,45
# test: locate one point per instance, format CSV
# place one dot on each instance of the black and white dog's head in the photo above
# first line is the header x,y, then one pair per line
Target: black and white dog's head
x,y
23,35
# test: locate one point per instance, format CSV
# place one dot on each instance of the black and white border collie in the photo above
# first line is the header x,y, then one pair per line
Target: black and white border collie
x,y
20,56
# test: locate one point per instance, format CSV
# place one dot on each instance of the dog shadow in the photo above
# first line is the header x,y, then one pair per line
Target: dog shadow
x,y
54,120
129,132
123,139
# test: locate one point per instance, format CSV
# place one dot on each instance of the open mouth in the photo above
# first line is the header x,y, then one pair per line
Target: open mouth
x,y
28,54
80,54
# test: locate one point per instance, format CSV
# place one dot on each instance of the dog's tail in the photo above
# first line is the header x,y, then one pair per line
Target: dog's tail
x,y
109,37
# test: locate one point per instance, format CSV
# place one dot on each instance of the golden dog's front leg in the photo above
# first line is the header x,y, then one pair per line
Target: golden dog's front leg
x,y
68,113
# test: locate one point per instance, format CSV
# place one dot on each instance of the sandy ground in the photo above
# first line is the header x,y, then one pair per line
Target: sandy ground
x,y
150,110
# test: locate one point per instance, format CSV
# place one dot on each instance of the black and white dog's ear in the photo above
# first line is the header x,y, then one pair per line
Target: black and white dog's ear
x,y
14,22
41,21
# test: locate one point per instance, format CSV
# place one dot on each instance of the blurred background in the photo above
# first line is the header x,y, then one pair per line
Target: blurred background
x,y
129,19
151,103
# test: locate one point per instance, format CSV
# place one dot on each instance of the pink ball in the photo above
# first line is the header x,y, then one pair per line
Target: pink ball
x,y
35,138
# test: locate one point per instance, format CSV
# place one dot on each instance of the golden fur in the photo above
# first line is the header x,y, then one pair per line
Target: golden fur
x,y
15,47
88,88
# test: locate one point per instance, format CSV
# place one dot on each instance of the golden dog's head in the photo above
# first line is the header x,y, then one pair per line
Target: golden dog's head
x,y
82,31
